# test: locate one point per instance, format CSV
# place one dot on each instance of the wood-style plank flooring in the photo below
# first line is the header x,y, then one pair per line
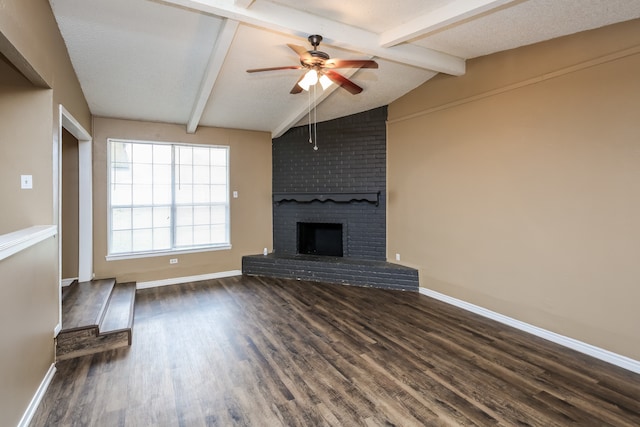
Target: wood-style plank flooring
x,y
267,352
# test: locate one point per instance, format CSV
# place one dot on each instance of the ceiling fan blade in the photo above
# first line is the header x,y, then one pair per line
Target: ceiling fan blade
x,y
297,88
286,67
301,51
350,63
342,81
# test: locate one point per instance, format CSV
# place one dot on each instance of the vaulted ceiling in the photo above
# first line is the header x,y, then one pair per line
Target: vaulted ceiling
x,y
185,61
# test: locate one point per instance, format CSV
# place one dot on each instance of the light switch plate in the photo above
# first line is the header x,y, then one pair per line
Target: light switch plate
x,y
26,182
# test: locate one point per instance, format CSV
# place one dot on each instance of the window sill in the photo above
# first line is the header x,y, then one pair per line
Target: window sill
x,y
117,257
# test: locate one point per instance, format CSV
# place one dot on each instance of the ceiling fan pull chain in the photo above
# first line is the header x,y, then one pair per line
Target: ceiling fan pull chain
x,y
309,118
315,120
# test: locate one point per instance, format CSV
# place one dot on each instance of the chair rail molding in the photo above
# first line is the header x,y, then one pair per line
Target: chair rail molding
x,y
16,241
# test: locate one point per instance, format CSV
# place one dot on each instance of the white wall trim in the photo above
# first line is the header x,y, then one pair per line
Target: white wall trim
x,y
85,217
582,347
67,282
12,243
35,402
85,192
187,279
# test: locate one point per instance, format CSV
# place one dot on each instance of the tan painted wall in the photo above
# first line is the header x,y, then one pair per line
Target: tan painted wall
x,y
250,175
25,118
28,293
29,290
517,186
70,204
28,314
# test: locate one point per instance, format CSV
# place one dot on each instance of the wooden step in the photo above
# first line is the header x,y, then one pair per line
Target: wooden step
x,y
119,313
85,306
97,316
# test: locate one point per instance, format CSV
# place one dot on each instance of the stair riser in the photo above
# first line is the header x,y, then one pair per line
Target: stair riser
x,y
97,316
86,342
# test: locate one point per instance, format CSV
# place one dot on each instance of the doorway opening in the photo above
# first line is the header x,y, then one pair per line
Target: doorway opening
x,y
81,236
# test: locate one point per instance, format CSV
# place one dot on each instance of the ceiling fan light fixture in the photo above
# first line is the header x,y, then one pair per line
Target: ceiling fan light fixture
x,y
318,67
304,85
309,79
325,81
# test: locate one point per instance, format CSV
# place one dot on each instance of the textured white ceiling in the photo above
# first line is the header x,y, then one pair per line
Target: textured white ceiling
x,y
176,61
375,16
137,59
529,22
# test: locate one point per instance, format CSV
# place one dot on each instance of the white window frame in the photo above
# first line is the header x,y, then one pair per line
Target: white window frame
x,y
175,251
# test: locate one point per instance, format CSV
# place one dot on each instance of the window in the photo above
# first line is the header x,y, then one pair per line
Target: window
x,y
167,197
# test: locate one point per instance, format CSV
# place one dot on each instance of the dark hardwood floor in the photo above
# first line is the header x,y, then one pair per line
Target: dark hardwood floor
x,y
268,352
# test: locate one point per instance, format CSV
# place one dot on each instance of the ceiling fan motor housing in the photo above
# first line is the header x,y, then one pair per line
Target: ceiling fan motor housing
x,y
316,57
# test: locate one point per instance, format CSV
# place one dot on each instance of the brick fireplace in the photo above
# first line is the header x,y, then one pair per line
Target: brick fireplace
x,y
343,183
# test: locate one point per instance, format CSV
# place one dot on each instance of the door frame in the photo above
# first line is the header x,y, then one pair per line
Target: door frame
x,y
85,197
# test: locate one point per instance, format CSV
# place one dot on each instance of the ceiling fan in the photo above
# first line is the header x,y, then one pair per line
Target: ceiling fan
x,y
320,68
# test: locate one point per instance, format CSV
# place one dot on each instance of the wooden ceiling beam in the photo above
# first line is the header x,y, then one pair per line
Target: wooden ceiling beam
x,y
216,60
298,23
243,3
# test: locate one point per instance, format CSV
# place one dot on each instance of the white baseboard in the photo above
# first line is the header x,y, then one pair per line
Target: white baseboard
x,y
57,329
67,282
582,347
35,402
177,280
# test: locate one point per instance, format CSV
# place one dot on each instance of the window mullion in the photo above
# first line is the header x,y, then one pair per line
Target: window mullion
x,y
193,208
131,195
173,197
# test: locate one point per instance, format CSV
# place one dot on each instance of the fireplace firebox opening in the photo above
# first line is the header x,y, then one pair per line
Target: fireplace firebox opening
x,y
319,238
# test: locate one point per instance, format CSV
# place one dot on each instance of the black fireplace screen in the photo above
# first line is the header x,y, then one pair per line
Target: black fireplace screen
x,y
318,238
